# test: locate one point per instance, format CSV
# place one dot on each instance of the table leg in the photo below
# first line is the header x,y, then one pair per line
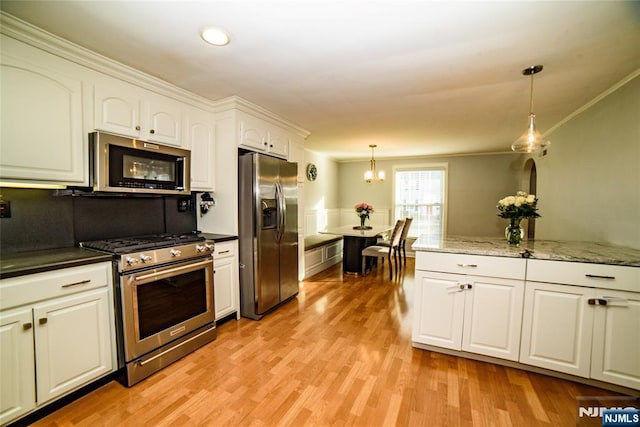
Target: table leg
x,y
352,253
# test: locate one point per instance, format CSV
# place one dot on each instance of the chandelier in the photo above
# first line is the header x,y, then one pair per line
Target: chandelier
x,y
372,175
531,140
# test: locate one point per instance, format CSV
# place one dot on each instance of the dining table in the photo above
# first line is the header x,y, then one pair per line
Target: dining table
x,y
354,241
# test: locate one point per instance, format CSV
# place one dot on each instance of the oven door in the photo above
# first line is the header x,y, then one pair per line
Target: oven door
x,y
163,304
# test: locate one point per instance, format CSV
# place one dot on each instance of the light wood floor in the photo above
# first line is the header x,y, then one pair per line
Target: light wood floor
x,y
340,354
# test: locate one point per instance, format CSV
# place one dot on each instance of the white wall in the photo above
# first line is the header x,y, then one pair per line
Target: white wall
x,y
321,195
475,184
589,183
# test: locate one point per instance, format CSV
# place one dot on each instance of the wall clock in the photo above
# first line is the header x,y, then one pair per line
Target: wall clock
x,y
312,172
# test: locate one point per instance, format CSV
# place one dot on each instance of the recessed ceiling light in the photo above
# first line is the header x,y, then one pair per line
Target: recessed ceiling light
x,y
215,36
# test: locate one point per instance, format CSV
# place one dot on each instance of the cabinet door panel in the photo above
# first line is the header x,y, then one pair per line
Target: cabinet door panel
x,y
278,142
253,133
117,110
493,317
72,342
16,364
557,328
439,305
200,139
41,130
223,288
164,122
616,339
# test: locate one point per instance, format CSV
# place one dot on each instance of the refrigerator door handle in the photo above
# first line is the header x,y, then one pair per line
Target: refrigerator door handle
x,y
282,211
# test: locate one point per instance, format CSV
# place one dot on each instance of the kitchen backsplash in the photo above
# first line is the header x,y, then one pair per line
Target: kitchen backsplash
x,y
42,219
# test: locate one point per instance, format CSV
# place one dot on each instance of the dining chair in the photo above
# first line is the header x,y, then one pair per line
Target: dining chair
x,y
379,251
403,240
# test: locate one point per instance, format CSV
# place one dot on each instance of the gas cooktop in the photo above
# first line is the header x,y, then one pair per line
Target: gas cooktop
x,y
140,243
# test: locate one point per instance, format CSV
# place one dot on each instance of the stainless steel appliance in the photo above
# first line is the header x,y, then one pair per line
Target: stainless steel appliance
x,y
164,299
268,241
129,165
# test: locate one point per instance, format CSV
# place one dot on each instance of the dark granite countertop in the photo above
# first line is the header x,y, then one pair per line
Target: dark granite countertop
x,y
219,237
22,263
29,262
556,250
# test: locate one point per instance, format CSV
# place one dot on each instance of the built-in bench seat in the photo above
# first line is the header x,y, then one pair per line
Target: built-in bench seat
x,y
317,240
321,251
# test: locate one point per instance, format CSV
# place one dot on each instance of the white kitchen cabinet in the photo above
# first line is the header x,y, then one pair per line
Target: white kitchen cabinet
x,y
18,386
226,283
439,309
259,135
583,319
117,109
200,139
615,357
73,342
556,328
41,121
57,335
465,312
132,111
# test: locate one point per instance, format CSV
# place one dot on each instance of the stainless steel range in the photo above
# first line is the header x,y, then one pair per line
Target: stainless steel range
x,y
164,299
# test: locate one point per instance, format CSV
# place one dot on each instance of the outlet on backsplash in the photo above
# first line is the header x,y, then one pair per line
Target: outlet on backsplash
x,y
5,208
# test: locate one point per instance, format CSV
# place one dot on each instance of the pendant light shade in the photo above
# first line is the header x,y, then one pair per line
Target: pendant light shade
x,y
531,140
372,175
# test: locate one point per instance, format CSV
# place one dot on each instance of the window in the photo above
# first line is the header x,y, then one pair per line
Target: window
x,y
420,192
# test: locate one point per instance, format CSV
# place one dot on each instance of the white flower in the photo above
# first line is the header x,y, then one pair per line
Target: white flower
x,y
531,198
520,200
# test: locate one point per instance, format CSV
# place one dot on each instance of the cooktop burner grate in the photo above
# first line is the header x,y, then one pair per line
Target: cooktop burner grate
x,y
139,243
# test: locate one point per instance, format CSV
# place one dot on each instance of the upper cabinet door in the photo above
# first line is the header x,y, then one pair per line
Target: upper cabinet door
x,y
200,139
41,120
117,109
163,121
253,133
278,140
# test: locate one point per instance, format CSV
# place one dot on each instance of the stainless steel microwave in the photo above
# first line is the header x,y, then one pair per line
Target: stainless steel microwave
x,y
120,164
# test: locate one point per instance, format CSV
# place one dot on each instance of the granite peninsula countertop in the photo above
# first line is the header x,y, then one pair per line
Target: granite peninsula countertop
x,y
556,250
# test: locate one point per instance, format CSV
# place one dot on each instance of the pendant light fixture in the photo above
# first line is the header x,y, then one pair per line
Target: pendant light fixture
x,y
372,175
531,140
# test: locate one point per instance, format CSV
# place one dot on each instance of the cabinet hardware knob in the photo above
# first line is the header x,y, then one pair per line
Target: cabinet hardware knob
x,y
42,320
138,127
82,282
27,326
595,276
152,131
265,143
270,145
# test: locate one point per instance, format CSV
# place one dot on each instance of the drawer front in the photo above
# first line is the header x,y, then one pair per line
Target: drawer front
x,y
477,265
225,250
52,284
614,277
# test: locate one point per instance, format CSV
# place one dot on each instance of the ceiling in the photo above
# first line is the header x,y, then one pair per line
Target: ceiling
x,y
414,77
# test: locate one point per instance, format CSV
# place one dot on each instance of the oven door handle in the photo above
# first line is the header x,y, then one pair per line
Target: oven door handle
x,y
171,271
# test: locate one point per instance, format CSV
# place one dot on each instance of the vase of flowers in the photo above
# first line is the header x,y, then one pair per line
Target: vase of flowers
x,y
515,209
363,210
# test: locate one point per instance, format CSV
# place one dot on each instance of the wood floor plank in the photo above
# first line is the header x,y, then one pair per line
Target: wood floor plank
x,y
339,354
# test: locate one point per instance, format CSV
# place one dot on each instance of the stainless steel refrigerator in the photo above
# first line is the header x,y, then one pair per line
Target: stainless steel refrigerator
x,y
268,240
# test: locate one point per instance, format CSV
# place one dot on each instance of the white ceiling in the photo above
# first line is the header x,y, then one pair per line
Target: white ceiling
x,y
413,77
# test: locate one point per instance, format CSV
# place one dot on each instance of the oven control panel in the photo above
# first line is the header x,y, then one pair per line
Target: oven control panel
x,y
154,257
